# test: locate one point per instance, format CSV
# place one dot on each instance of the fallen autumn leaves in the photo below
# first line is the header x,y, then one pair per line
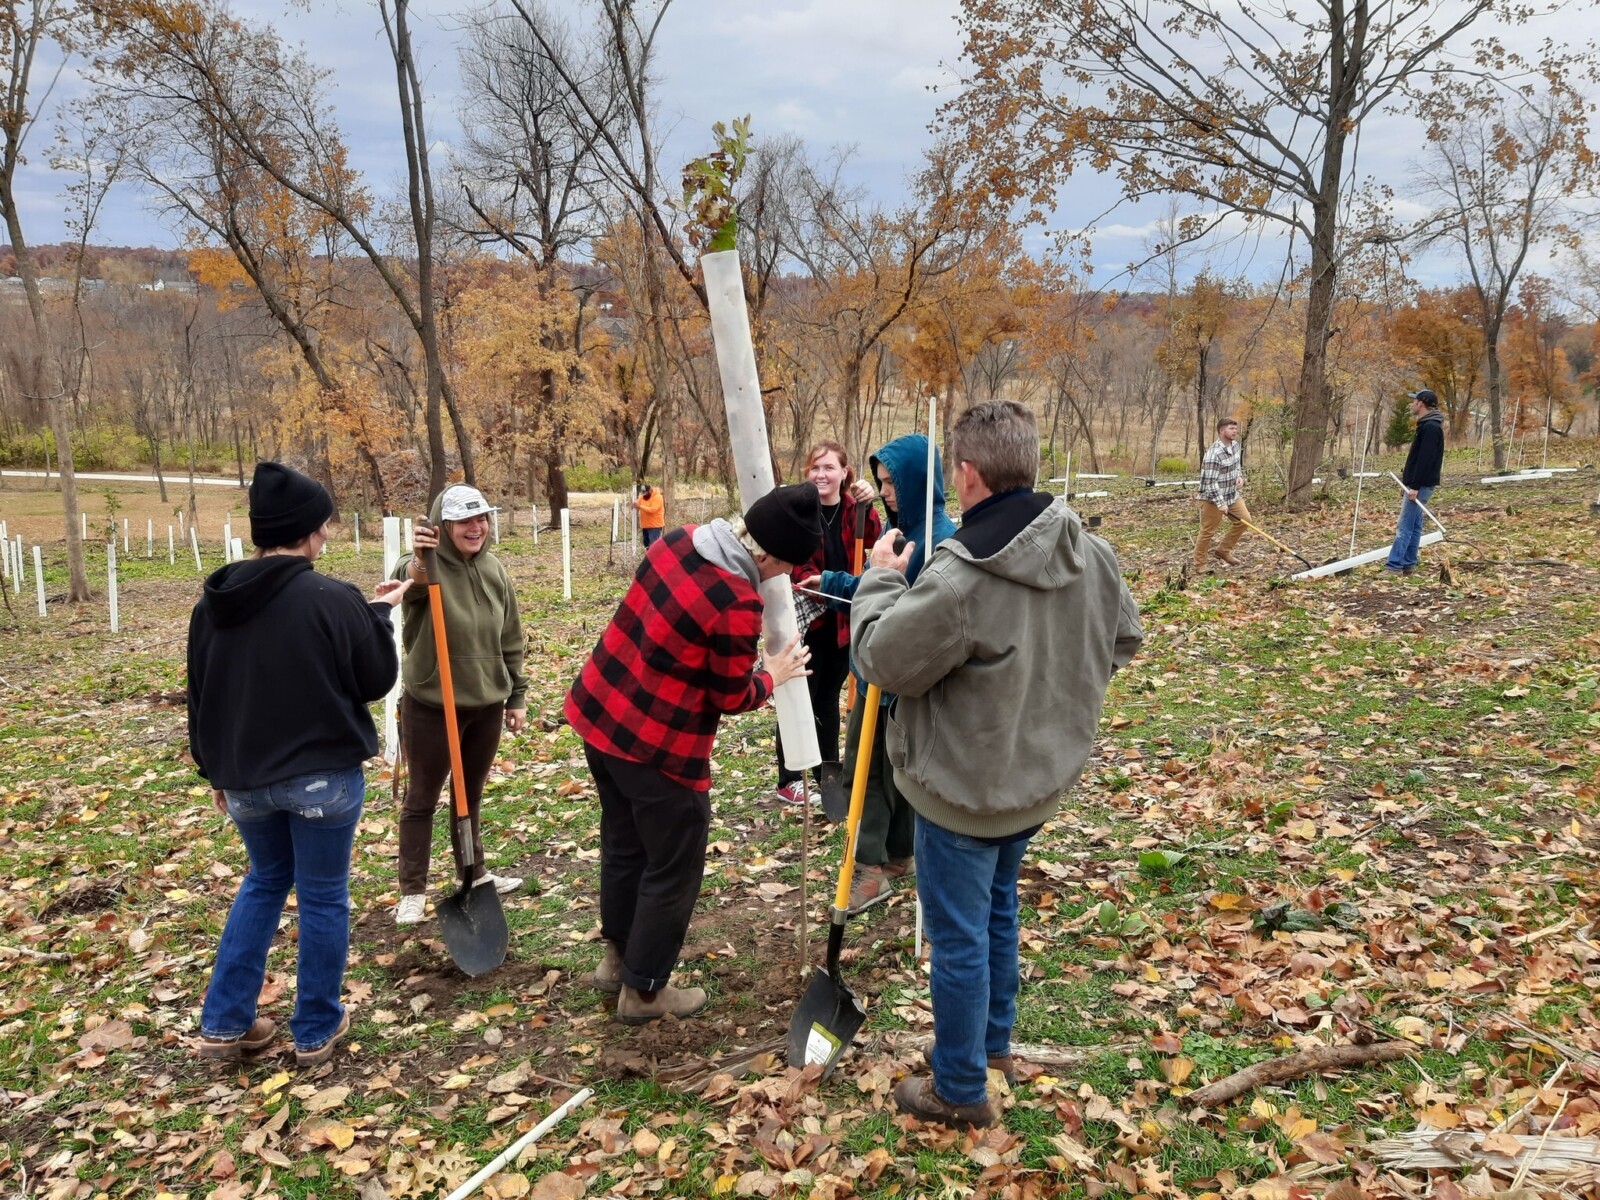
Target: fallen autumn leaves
x,y
1321,815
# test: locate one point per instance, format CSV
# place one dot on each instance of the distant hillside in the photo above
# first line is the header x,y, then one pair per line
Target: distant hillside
x,y
121,264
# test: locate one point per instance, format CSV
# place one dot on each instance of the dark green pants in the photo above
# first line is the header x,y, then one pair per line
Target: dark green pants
x,y
888,829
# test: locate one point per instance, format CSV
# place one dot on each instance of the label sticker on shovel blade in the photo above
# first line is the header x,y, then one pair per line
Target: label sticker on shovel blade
x,y
821,1045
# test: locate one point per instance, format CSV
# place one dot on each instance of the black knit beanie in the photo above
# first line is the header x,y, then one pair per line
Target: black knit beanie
x,y
787,522
285,506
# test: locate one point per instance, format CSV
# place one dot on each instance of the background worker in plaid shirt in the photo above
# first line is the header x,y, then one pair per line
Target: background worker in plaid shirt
x,y
1221,494
680,652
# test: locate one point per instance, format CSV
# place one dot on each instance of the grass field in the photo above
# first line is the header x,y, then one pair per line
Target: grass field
x,y
1358,808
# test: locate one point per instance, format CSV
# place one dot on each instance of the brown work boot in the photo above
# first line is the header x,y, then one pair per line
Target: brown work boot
x,y
916,1095
322,1053
634,1009
899,868
1007,1067
1227,557
872,885
253,1041
607,976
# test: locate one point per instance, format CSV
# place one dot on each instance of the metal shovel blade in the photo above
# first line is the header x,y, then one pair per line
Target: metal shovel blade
x,y
474,928
835,799
825,1022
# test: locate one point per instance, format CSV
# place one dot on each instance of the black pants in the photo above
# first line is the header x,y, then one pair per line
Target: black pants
x,y
652,861
830,666
428,761
888,824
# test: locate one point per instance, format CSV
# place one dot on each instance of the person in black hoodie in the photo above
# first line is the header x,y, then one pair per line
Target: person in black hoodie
x,y
282,665
1420,477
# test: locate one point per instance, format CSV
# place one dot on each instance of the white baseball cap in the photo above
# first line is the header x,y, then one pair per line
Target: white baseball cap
x,y
460,502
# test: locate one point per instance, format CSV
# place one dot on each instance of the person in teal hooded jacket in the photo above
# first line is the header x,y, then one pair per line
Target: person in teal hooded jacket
x,y
885,845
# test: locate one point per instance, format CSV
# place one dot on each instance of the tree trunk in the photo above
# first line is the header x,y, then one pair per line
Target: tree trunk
x,y
555,483
1491,340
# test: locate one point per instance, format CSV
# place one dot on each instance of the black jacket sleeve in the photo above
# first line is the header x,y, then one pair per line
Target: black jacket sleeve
x,y
195,656
375,663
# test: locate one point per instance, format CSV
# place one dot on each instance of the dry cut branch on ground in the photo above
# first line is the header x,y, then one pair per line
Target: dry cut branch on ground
x,y
1296,1066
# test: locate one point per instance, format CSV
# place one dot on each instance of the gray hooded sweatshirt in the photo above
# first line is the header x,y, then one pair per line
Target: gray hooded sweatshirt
x,y
1000,655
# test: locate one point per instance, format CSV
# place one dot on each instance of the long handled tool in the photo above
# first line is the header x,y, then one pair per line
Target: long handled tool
x,y
472,921
828,1016
1274,541
1426,511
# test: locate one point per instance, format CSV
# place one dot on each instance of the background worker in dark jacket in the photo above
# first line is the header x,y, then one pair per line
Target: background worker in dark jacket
x,y
1000,655
282,665
1420,476
484,630
679,653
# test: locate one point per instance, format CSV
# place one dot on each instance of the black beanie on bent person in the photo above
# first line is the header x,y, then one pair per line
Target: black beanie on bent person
x,y
285,505
787,522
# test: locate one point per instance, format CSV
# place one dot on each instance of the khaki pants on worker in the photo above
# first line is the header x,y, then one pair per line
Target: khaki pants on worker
x,y
1211,516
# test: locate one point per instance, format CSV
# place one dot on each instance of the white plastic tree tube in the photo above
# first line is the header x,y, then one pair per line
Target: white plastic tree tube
x,y
535,522
237,546
391,702
566,555
149,537
227,539
411,546
194,543
111,583
38,577
494,524
355,523
126,549
172,553
752,463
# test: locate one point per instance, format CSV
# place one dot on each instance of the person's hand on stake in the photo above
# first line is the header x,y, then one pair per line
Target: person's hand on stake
x,y
810,582
390,591
516,720
423,537
790,662
883,554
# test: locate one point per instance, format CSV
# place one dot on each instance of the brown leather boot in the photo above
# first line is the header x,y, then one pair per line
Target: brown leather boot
x,y
607,976
1227,557
634,1009
1007,1067
253,1041
916,1095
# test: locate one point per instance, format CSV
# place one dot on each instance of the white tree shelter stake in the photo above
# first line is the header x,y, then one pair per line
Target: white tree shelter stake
x,y
566,555
752,461
194,542
516,1147
38,577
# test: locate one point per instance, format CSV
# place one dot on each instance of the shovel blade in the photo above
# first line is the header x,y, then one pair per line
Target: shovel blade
x,y
474,928
824,1024
835,796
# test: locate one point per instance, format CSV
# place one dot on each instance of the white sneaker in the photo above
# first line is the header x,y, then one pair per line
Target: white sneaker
x,y
505,883
409,910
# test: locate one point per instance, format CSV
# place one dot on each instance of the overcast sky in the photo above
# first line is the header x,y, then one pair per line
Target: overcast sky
x,y
854,73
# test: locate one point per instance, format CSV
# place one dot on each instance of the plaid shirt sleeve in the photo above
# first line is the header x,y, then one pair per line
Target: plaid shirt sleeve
x,y
679,653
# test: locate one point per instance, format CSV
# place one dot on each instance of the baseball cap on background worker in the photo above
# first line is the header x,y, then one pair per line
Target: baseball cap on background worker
x,y
787,522
1426,396
285,505
460,502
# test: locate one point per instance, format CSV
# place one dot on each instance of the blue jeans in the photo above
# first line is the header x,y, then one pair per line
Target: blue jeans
x,y
298,834
969,909
1408,534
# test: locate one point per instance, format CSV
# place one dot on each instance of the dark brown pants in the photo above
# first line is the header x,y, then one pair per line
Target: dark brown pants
x,y
427,752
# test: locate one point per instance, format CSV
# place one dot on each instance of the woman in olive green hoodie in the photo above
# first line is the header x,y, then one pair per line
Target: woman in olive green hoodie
x,y
485,635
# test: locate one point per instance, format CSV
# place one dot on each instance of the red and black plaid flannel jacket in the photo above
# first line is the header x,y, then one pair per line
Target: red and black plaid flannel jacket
x,y
678,654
